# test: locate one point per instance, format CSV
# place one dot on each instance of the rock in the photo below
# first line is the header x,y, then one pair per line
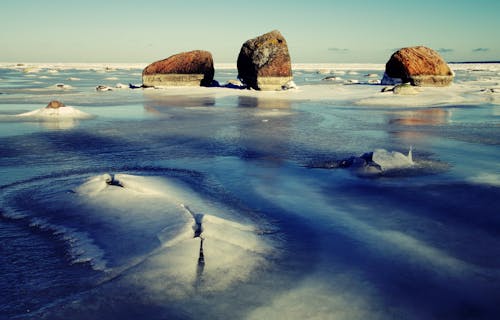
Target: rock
x,y
371,163
289,85
193,68
331,78
387,89
405,89
103,88
420,66
264,62
488,91
234,84
133,86
63,86
54,104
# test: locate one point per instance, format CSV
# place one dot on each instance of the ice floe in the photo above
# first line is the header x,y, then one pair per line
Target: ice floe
x,y
375,162
48,114
201,247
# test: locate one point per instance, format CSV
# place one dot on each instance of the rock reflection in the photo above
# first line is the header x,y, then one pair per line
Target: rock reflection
x,y
434,116
409,121
157,104
258,102
265,132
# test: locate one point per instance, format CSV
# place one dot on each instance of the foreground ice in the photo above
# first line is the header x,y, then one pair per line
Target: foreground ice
x,y
203,248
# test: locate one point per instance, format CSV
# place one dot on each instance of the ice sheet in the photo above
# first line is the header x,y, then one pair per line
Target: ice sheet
x,y
231,249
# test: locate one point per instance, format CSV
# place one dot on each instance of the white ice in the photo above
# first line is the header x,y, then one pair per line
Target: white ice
x,y
233,247
486,178
55,114
392,159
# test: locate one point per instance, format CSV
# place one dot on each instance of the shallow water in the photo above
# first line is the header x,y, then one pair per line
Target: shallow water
x,y
283,237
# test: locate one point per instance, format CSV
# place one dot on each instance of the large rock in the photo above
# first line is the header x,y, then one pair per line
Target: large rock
x,y
193,68
420,66
264,62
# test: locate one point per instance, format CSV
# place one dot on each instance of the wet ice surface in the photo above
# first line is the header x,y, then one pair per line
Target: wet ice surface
x,y
104,218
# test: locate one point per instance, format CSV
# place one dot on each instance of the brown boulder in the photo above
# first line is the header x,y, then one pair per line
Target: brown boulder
x,y
193,68
420,66
264,62
54,104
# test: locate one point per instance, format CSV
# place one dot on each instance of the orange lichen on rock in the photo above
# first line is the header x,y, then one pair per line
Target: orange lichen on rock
x,y
264,62
420,66
197,62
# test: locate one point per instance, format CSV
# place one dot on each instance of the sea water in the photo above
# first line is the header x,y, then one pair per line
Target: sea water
x,y
225,203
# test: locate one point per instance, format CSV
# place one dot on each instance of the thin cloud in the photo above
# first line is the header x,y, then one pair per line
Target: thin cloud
x,y
339,50
444,50
480,49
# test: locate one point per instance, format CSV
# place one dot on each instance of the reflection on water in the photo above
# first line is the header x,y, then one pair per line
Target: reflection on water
x,y
259,102
155,102
434,116
62,124
409,122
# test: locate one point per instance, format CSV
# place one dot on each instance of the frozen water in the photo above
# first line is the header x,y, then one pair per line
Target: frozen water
x,y
55,114
392,160
202,202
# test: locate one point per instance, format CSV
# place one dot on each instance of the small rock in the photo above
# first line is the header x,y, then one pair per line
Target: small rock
x,y
134,86
289,85
331,78
103,88
488,91
54,104
405,89
234,84
63,86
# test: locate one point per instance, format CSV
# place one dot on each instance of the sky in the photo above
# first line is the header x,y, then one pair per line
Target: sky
x,y
320,31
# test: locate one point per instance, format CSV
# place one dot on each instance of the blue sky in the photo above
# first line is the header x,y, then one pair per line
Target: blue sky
x,y
327,31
